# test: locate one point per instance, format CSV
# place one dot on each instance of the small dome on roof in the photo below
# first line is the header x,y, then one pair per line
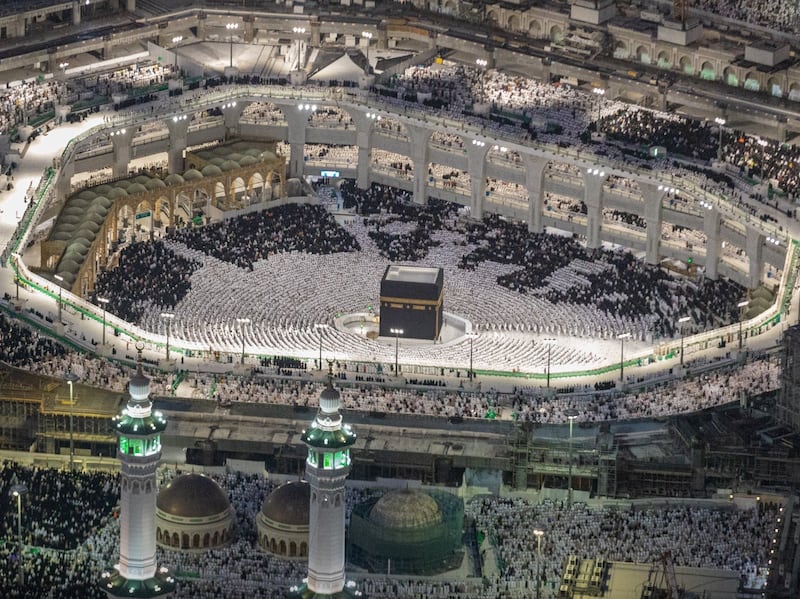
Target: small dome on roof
x,y
136,188
211,170
217,160
124,183
70,265
87,194
254,152
192,175
77,202
406,508
69,278
143,179
173,179
247,160
102,190
116,193
153,183
73,219
73,210
235,156
61,235
102,201
267,155
289,504
229,165
192,496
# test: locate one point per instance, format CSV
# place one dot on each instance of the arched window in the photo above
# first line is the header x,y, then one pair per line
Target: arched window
x,y
282,548
292,549
185,541
175,540
196,541
206,539
303,549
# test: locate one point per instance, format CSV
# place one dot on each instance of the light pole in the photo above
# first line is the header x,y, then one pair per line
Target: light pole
x,y
740,305
538,534
18,491
721,123
572,414
231,27
320,326
471,337
104,301
367,35
168,316
71,379
60,280
599,92
396,333
549,341
242,322
681,321
622,339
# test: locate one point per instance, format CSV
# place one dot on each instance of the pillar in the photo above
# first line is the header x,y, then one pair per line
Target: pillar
x,y
711,227
593,198
755,256
201,25
249,29
534,183
653,199
64,187
178,132
363,137
231,116
476,165
297,121
76,13
418,138
130,5
315,37
122,152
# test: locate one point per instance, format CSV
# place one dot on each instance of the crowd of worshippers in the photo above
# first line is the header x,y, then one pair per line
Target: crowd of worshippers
x,y
625,286
733,539
149,277
252,237
24,347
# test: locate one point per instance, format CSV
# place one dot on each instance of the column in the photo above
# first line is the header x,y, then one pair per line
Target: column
x,y
534,183
231,116
315,37
249,30
122,152
130,5
76,13
363,138
593,198
653,199
201,25
476,165
711,225
418,139
178,132
297,121
755,256
64,187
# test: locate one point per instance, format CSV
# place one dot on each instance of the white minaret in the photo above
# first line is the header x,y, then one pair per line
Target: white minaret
x,y
139,430
327,467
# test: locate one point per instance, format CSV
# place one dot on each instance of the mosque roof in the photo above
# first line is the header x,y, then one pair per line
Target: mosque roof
x,y
289,504
192,496
406,509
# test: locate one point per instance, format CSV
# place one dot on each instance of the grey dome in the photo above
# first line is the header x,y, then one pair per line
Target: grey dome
x,y
404,509
289,504
192,496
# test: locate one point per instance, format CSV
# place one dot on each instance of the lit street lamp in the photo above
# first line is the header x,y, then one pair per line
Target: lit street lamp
x,y
320,326
368,36
18,491
242,322
71,379
396,333
599,92
572,414
168,316
299,32
60,280
549,341
538,534
681,321
721,123
104,301
231,27
741,305
622,339
471,337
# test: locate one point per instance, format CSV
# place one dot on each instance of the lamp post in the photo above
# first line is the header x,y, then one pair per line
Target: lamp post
x,y
721,123
320,326
168,316
104,301
471,337
538,534
572,414
71,379
368,36
396,333
622,339
740,305
231,27
549,341
60,280
242,322
599,92
17,491
681,321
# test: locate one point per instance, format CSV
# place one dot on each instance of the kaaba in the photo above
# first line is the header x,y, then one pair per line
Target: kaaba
x,y
411,300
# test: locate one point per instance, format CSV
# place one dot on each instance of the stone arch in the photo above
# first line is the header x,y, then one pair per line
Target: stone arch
x,y
331,117
643,54
535,29
265,113
292,549
686,64
514,23
148,486
556,34
273,545
794,91
448,141
303,549
163,213
774,87
175,540
215,539
450,7
337,500
390,127
493,15
196,541
219,195
708,71
158,534
185,540
206,539
282,547
751,81
730,77
136,488
238,190
664,59
621,49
